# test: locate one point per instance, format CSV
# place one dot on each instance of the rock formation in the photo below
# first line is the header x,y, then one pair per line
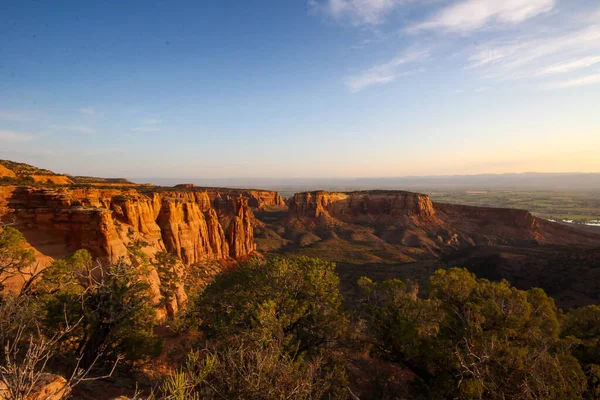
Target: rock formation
x,y
413,220
52,179
48,387
360,206
56,222
5,172
240,234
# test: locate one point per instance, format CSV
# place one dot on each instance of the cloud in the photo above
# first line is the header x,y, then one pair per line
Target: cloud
x,y
469,15
581,81
358,12
386,72
13,136
152,121
87,110
571,65
537,56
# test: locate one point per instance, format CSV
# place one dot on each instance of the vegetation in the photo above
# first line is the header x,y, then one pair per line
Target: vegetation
x,y
279,328
23,169
473,338
113,307
578,206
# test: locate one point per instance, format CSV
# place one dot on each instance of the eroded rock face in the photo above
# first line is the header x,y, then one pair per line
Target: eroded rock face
x,y
105,221
257,199
240,234
358,206
186,233
412,220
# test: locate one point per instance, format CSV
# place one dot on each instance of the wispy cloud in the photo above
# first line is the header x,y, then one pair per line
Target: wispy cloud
x,y
538,56
468,15
13,136
571,65
386,72
357,12
87,110
593,79
152,121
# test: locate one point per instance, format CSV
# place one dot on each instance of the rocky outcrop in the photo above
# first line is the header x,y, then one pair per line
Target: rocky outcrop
x,y
52,179
225,199
413,220
105,222
17,170
5,172
186,232
240,234
367,206
486,225
48,387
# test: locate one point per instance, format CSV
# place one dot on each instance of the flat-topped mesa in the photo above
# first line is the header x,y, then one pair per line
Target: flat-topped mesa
x,y
509,226
489,216
357,206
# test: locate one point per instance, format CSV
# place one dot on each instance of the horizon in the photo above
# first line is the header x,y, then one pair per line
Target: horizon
x,y
314,89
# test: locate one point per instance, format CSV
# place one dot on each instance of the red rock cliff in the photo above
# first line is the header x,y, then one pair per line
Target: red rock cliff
x,y
411,219
105,220
56,222
360,206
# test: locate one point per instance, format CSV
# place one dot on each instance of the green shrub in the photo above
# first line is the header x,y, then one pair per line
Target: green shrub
x,y
471,338
111,304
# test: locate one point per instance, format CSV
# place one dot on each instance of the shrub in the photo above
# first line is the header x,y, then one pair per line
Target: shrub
x,y
276,327
296,301
582,326
471,338
111,303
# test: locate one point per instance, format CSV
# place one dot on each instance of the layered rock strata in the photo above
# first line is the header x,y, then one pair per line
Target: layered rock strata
x,y
412,219
105,222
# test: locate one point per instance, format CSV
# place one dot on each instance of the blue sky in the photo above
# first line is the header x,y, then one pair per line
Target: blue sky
x,y
306,88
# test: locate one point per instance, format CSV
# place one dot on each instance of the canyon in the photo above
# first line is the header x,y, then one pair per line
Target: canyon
x,y
385,233
197,225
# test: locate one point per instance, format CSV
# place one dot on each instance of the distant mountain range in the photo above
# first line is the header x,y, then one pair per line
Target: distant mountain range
x,y
521,181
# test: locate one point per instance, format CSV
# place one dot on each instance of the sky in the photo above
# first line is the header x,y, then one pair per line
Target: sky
x,y
300,88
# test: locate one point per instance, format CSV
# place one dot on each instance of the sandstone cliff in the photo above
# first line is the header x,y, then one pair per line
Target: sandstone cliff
x,y
56,222
360,206
413,220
